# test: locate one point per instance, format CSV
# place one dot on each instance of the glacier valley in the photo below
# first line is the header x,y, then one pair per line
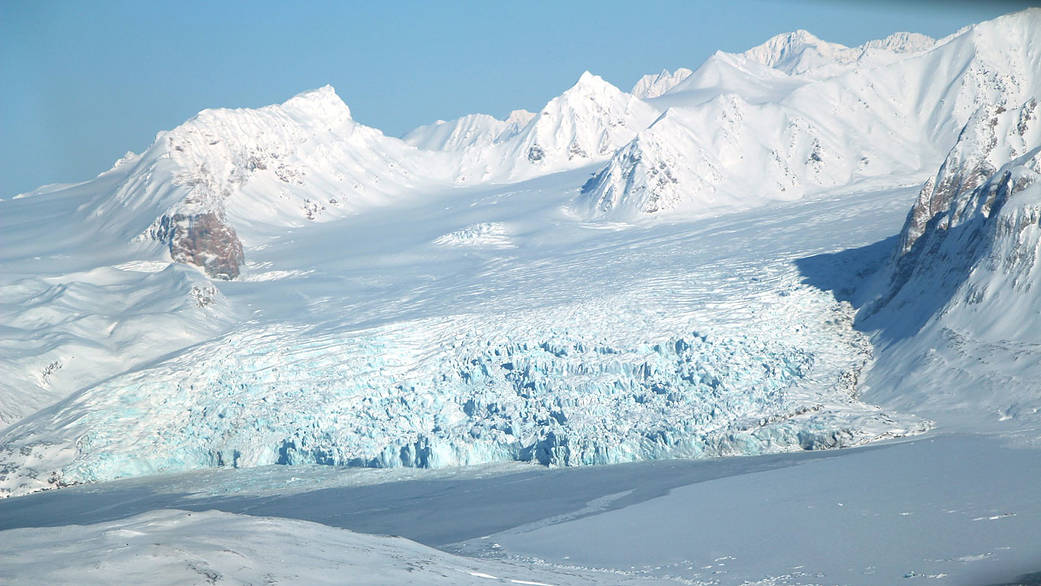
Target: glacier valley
x,y
778,255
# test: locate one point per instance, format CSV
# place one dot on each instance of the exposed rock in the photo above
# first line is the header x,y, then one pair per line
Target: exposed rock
x,y
203,240
993,136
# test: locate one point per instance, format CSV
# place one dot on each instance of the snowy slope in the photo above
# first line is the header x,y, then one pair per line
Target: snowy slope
x,y
957,304
79,304
88,290
272,167
729,154
585,124
180,547
800,53
472,131
797,114
654,85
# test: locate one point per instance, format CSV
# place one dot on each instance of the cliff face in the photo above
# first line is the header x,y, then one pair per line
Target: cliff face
x,y
993,136
968,251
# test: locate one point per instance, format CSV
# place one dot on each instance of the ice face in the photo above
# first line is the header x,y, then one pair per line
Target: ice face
x,y
562,386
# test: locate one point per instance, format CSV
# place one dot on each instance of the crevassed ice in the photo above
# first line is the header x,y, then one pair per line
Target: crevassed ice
x,y
566,386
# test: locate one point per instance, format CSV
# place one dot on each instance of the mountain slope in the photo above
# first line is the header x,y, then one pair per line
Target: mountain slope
x,y
583,125
472,131
654,85
800,53
969,244
888,107
267,168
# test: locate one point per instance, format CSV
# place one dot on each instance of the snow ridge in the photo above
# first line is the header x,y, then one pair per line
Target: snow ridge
x,y
654,85
585,124
277,166
823,115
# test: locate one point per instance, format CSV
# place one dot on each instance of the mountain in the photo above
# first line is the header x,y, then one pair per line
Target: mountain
x,y
283,165
955,305
797,114
654,85
800,53
729,154
284,285
969,243
89,288
471,131
585,124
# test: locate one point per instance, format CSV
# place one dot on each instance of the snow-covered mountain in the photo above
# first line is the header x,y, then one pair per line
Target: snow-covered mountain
x,y
654,85
472,131
800,53
969,245
272,167
797,114
956,305
458,297
585,124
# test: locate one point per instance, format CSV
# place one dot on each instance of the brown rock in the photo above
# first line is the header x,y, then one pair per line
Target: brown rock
x,y
206,241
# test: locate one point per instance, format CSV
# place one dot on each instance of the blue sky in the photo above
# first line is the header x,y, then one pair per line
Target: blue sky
x,y
85,82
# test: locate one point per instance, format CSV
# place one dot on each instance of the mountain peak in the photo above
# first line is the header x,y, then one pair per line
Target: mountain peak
x,y
786,51
520,117
902,42
654,85
589,82
323,102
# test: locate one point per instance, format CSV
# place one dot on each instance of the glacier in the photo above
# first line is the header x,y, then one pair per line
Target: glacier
x,y
663,368
543,341
615,277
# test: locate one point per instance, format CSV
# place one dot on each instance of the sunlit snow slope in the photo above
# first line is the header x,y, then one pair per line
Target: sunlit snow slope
x,y
798,115
181,547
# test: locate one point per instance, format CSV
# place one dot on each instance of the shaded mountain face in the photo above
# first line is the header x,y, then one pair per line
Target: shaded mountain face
x,y
969,244
995,135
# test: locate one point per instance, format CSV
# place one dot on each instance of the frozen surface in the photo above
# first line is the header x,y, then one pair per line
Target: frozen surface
x,y
939,510
945,510
210,547
638,342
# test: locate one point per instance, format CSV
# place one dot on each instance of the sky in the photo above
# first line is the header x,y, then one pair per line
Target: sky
x,y
84,82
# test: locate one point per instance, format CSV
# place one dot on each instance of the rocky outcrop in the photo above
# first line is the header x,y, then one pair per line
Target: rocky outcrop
x,y
970,242
203,240
993,136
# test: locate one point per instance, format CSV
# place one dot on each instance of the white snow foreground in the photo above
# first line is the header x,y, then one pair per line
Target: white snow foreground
x,y
181,547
